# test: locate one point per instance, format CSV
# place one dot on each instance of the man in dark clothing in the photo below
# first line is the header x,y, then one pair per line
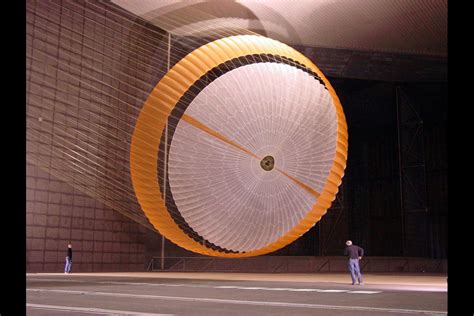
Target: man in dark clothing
x,y
354,253
67,267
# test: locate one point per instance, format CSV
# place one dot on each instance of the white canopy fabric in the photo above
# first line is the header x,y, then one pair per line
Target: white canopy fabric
x,y
224,194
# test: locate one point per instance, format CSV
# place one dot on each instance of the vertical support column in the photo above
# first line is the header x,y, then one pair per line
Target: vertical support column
x,y
165,174
400,171
333,220
320,237
415,216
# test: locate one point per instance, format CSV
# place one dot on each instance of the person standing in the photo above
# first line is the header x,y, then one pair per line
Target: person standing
x,y
67,267
354,253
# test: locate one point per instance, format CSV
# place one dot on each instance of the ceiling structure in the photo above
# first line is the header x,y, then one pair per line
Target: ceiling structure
x,y
384,26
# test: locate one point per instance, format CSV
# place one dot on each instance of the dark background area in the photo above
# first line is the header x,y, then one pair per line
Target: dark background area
x,y
369,208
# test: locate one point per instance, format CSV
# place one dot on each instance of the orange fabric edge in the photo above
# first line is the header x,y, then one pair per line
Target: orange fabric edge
x,y
155,112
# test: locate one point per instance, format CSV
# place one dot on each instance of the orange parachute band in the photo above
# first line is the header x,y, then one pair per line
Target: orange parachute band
x,y
163,99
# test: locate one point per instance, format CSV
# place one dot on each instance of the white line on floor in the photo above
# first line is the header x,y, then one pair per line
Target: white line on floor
x,y
217,287
241,302
90,310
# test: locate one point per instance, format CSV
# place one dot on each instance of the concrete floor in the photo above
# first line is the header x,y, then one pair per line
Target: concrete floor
x,y
167,293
